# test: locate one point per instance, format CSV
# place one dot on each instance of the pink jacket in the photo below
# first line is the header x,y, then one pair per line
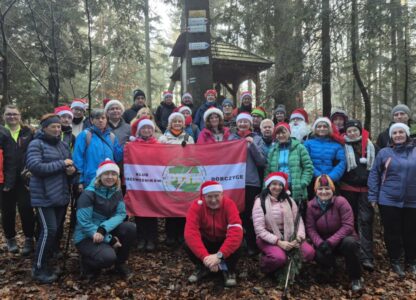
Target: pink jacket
x,y
206,136
262,227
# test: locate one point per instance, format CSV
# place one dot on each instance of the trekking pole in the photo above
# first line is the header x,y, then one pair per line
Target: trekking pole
x,y
71,226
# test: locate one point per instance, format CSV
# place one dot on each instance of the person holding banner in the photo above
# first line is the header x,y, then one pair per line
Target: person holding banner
x,y
175,134
213,234
255,159
214,130
274,215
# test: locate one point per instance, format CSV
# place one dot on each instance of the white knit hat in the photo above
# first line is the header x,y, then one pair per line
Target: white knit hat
x,y
78,104
245,116
213,110
322,120
113,102
107,165
176,115
399,125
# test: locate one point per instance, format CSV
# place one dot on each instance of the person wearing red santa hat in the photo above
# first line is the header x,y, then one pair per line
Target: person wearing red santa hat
x,y
114,110
214,130
66,116
213,234
274,215
211,97
79,121
164,110
299,127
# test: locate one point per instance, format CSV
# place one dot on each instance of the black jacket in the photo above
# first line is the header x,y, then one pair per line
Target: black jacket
x,y
131,113
162,115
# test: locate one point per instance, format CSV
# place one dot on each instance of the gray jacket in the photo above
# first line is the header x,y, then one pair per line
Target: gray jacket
x,y
121,131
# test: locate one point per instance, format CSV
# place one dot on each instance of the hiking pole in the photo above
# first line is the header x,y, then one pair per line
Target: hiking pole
x,y
286,287
71,226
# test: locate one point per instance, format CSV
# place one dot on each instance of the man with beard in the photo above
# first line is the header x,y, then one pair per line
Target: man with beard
x,y
299,127
139,99
79,122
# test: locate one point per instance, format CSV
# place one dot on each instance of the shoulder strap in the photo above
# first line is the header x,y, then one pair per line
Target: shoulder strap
x,y
88,137
112,138
263,205
186,138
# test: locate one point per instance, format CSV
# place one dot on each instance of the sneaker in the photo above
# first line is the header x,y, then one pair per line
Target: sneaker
x,y
141,244
356,285
43,275
12,245
150,246
198,274
230,279
368,265
28,246
123,270
397,268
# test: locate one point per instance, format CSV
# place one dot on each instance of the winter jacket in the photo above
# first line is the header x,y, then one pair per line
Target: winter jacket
x,y
3,142
219,225
193,131
122,131
333,225
383,139
131,113
199,115
15,155
99,207
49,184
68,137
169,138
328,157
87,157
262,227
207,136
255,159
78,127
162,115
300,167
392,177
231,124
266,146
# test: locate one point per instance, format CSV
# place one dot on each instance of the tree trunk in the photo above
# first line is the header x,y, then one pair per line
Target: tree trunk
x,y
87,11
393,45
326,58
147,42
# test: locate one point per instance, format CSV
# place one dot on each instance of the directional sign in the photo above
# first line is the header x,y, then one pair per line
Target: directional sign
x,y
198,46
197,21
197,28
198,13
202,60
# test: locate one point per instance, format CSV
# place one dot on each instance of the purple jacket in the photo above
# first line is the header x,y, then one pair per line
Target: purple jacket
x,y
332,226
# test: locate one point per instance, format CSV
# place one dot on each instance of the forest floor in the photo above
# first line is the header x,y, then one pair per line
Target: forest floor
x,y
163,275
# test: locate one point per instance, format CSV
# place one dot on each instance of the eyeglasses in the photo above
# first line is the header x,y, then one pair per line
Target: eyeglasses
x,y
11,115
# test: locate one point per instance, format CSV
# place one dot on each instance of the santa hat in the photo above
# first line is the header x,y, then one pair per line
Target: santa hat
x,y
187,95
105,101
113,102
79,103
245,94
213,110
324,180
282,124
167,94
259,111
322,120
283,178
139,123
301,114
183,108
63,110
210,92
399,125
208,187
244,116
176,115
107,165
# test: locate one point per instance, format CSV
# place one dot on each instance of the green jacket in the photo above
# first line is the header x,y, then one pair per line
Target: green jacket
x,y
300,167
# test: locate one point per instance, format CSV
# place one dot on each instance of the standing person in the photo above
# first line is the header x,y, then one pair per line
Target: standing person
x,y
246,103
79,121
392,186
102,235
291,157
229,118
339,117
211,97
255,159
399,114
66,116
360,155
299,127
214,130
93,145
114,110
175,134
267,127
274,215
15,192
213,234
330,226
142,131
279,114
188,100
164,110
258,114
146,112
190,127
49,161
139,101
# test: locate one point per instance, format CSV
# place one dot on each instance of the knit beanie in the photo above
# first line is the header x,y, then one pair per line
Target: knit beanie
x,y
113,102
213,110
280,108
50,120
259,112
227,101
339,112
399,125
322,120
107,165
245,94
354,123
401,108
324,180
138,93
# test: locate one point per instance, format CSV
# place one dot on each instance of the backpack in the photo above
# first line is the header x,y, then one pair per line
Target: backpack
x,y
88,138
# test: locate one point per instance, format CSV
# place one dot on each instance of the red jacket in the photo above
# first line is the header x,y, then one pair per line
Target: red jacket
x,y
207,137
223,224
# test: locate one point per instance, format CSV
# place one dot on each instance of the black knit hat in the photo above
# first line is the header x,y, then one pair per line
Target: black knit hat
x,y
137,93
354,123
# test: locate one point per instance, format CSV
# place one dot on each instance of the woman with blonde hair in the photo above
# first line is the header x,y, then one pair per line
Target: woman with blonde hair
x,y
146,112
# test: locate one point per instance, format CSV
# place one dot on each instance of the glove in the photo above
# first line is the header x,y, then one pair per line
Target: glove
x,y
325,248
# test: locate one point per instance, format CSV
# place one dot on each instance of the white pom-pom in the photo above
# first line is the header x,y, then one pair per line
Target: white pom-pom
x,y
200,202
132,138
288,192
363,160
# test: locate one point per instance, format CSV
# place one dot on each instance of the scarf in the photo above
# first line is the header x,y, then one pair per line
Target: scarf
x,y
368,152
288,218
175,132
323,205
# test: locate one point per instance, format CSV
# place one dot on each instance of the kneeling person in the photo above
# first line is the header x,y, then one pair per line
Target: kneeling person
x,y
101,235
213,234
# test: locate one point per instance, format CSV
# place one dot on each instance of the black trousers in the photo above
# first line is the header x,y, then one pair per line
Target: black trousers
x,y
212,248
146,228
18,195
175,227
102,255
399,232
246,216
349,248
363,221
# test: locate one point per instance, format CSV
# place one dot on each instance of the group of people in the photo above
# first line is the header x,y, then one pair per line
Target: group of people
x,y
310,188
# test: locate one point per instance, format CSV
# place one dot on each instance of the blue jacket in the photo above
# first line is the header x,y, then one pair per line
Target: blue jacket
x,y
255,159
49,184
88,157
392,177
199,115
328,157
99,207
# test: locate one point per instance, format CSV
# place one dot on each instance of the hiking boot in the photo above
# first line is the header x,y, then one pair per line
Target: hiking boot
x,y
198,274
28,246
356,285
170,241
397,268
123,270
141,244
230,279
150,246
12,245
368,265
43,275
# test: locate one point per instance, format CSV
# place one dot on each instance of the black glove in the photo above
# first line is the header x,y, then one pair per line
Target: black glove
x,y
325,248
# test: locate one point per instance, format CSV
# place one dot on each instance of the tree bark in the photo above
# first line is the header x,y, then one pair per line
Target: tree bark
x,y
326,58
87,11
147,42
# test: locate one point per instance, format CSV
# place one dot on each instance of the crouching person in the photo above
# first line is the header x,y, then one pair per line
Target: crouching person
x,y
102,236
274,218
213,234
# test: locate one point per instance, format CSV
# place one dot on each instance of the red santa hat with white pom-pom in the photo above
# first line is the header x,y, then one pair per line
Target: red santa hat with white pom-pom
x,y
208,187
107,165
281,177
